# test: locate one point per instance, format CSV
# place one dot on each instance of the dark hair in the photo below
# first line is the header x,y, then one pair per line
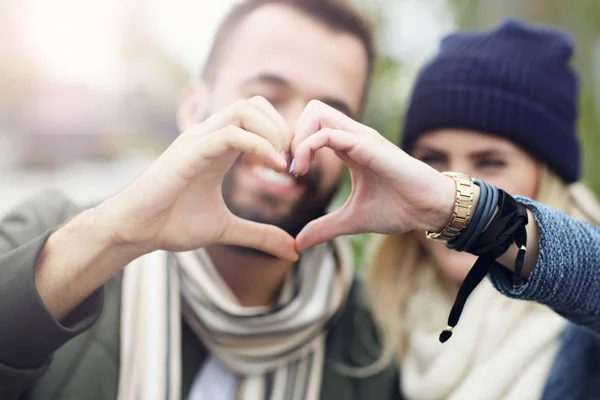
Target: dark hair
x,y
334,14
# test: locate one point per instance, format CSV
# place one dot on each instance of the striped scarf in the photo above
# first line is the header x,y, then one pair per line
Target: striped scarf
x,y
277,352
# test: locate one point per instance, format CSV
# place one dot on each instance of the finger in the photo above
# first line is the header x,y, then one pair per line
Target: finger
x,y
325,228
246,115
266,238
265,106
318,115
249,161
231,137
355,146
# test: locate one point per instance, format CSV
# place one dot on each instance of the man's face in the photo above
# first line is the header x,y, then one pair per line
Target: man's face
x,y
283,55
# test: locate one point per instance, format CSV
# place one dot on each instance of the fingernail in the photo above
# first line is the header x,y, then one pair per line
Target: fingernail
x,y
292,165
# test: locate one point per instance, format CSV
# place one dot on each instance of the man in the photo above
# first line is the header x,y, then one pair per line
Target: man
x,y
213,304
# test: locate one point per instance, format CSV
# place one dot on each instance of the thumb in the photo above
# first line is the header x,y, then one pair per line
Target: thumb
x,y
325,228
264,237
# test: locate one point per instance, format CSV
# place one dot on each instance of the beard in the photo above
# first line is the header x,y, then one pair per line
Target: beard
x,y
312,204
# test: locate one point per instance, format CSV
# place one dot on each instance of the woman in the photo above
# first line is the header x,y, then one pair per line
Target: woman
x,y
499,106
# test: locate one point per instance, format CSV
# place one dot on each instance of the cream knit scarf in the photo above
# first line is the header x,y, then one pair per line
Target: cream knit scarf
x,y
502,349
276,352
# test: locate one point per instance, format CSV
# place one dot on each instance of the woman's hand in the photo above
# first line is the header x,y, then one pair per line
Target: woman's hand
x,y
391,191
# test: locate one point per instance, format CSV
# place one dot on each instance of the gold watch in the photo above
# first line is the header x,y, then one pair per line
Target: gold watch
x,y
463,204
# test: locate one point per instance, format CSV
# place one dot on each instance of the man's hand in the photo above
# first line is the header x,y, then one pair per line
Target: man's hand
x,y
391,191
178,205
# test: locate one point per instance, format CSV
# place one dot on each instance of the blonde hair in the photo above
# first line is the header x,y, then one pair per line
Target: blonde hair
x,y
394,259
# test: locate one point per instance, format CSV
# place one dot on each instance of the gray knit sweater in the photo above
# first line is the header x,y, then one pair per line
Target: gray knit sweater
x,y
566,279
567,275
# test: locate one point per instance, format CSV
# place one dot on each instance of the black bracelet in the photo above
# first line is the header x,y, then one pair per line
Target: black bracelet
x,y
507,227
459,243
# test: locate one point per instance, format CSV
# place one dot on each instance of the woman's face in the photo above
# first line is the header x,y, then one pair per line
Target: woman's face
x,y
489,158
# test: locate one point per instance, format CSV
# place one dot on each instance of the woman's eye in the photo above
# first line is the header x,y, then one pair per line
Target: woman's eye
x,y
491,164
433,161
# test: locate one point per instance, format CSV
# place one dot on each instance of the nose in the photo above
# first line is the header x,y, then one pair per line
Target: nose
x,y
460,165
292,111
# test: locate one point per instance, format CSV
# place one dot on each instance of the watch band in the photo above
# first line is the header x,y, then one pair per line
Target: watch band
x,y
463,205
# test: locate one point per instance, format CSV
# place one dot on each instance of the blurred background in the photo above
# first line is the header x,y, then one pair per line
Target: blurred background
x,y
88,89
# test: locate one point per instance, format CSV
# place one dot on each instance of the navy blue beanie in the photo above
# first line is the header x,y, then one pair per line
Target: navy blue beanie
x,y
514,82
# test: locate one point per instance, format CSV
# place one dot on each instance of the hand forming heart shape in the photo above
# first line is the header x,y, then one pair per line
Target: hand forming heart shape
x,y
391,191
177,204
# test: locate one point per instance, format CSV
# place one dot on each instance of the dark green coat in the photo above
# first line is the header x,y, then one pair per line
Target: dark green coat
x,y
41,359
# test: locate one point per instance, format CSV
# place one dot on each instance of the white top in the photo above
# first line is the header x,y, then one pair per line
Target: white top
x,y
213,382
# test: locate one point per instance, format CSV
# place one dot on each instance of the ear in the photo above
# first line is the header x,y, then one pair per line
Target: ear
x,y
193,105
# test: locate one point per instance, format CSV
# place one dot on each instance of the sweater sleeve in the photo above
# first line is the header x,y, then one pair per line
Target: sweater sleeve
x,y
567,275
29,333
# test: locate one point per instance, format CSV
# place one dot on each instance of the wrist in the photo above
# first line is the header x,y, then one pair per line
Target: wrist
x,y
116,232
103,230
443,209
76,260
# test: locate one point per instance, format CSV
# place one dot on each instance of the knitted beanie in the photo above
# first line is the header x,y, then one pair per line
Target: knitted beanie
x,y
514,82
